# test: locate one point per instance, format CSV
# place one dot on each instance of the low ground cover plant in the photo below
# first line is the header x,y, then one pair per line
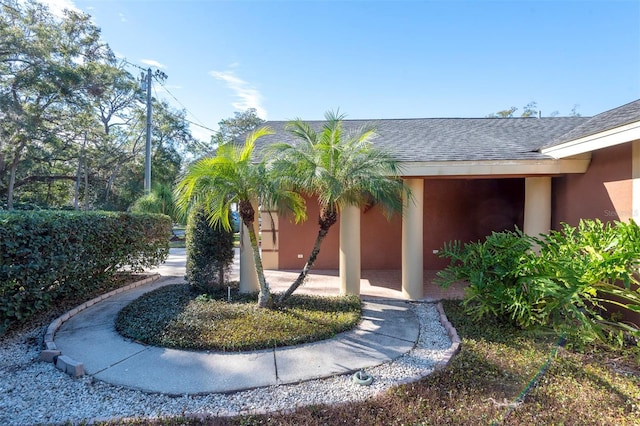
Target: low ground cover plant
x,y
581,281
175,316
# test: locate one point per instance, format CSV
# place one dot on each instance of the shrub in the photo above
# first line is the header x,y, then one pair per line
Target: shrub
x,y
590,269
209,252
159,201
567,282
493,269
47,255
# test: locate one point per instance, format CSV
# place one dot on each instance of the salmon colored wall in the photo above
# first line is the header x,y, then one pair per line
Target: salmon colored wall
x,y
468,210
380,240
299,239
454,209
603,192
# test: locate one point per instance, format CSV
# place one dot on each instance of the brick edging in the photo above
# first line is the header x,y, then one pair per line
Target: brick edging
x,y
453,335
50,353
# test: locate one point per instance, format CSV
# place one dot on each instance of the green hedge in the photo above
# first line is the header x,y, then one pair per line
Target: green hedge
x,y
209,252
48,255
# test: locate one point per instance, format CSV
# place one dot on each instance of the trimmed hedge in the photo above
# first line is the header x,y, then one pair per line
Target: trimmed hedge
x,y
47,255
209,252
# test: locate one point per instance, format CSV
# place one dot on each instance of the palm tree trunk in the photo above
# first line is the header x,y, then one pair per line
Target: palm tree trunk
x,y
264,298
305,271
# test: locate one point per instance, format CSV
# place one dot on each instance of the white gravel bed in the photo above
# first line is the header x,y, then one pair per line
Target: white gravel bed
x,y
35,392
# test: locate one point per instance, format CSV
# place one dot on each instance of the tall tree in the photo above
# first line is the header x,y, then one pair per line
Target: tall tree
x,y
341,168
232,176
230,129
43,63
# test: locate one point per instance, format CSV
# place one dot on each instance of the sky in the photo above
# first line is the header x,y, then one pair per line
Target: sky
x,y
377,59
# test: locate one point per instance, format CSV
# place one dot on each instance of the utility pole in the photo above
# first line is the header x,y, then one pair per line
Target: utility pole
x,y
147,156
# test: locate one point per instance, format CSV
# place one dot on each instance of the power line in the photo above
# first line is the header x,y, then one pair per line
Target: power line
x,y
187,110
159,76
200,125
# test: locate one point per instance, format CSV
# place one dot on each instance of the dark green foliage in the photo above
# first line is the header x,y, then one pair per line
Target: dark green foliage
x,y
566,279
47,255
492,269
209,252
177,317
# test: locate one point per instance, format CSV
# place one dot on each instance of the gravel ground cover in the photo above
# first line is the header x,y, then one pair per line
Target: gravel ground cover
x,y
34,392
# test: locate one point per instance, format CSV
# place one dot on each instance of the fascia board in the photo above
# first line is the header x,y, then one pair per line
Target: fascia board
x,y
616,136
578,164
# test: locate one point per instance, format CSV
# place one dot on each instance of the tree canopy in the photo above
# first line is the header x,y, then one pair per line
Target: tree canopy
x,y
233,128
72,118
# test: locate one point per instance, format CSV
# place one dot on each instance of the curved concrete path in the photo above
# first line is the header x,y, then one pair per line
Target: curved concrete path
x,y
388,329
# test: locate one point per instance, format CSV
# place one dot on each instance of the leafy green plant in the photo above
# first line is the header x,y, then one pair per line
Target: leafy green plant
x,y
158,201
209,252
569,279
49,255
493,269
593,268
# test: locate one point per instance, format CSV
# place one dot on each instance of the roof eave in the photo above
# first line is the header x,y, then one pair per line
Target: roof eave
x,y
616,136
496,168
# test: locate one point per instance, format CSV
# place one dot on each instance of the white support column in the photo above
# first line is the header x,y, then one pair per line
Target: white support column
x,y
412,246
248,275
350,250
537,205
635,174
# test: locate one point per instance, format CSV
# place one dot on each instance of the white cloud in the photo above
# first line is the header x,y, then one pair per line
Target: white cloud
x,y
152,63
122,17
57,7
249,96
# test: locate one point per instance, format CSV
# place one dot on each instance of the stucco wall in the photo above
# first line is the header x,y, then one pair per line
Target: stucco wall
x,y
603,192
468,210
295,239
462,209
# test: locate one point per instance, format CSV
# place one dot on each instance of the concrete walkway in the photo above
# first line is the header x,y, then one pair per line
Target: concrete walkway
x,y
87,337
388,330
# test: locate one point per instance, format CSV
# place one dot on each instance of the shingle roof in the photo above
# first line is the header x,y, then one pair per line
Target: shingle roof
x,y
454,139
607,120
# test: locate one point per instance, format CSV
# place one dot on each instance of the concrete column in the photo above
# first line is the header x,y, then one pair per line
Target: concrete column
x,y
350,250
635,174
412,246
537,205
248,275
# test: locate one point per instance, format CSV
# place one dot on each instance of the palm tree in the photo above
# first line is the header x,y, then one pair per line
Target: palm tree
x,y
341,168
231,176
